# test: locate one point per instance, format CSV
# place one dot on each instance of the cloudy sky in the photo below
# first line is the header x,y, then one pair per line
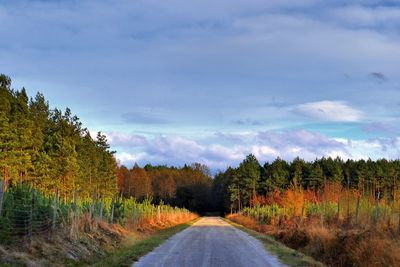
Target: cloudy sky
x,y
177,81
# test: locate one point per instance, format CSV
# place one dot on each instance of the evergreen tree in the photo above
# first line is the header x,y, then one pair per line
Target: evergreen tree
x,y
316,177
249,175
8,138
277,176
49,148
236,192
220,190
296,170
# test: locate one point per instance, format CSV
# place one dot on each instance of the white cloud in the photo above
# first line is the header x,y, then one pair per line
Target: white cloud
x,y
302,143
266,146
375,148
264,152
172,146
117,139
130,158
334,111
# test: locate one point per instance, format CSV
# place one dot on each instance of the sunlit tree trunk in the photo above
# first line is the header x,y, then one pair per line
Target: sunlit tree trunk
x,y
65,188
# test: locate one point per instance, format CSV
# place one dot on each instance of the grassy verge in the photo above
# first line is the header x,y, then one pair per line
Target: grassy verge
x,y
134,248
286,255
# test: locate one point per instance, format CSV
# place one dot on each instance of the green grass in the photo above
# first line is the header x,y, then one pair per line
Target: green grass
x,y
135,248
285,255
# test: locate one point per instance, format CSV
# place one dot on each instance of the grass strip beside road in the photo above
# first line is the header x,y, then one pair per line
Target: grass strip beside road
x,y
133,248
285,254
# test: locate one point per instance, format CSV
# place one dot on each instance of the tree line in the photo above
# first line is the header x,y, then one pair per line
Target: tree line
x,y
50,148
188,186
236,188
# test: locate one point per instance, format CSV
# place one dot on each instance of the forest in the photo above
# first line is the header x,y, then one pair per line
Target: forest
x,y
245,185
187,187
50,149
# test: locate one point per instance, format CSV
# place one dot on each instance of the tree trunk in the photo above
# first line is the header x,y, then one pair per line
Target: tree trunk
x,y
90,181
398,226
6,178
338,209
376,218
254,194
65,188
322,209
238,197
357,209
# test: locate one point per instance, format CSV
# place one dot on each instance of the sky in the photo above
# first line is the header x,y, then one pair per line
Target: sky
x,y
210,81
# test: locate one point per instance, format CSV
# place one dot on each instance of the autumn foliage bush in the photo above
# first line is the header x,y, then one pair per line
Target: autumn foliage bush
x,y
337,226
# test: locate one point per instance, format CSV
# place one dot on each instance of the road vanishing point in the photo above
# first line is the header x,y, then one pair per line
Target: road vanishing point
x,y
210,242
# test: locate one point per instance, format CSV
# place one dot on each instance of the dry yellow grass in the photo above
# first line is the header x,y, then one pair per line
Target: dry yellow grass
x,y
93,239
335,246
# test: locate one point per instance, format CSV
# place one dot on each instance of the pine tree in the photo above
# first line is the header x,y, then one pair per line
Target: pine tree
x,y
49,148
40,115
236,192
297,173
21,125
8,137
106,179
249,176
277,176
316,177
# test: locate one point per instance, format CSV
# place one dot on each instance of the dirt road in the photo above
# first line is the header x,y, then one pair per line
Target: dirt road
x,y
210,242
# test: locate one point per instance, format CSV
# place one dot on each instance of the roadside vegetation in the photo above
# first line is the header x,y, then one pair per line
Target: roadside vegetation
x,y
341,213
34,229
285,254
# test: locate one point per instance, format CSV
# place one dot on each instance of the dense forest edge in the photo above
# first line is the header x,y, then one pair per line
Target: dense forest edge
x,y
59,195
56,177
50,149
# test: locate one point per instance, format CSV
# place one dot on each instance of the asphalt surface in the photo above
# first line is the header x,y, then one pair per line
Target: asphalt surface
x,y
210,242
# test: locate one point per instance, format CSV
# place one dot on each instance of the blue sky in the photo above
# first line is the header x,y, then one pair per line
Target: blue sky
x,y
175,81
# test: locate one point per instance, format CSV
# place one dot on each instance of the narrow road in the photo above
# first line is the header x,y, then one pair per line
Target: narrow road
x,y
210,242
